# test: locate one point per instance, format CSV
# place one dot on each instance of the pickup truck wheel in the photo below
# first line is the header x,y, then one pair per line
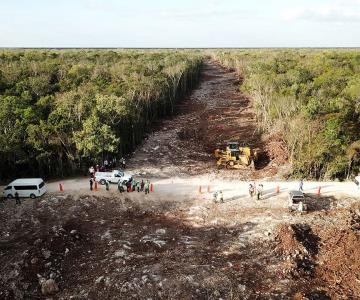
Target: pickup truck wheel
x,y
102,181
9,196
32,196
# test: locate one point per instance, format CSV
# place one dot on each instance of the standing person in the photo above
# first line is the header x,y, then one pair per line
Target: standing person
x,y
142,184
91,183
301,185
120,187
259,191
107,185
138,186
17,198
106,164
215,197
251,190
133,186
128,186
147,187
123,163
221,197
91,171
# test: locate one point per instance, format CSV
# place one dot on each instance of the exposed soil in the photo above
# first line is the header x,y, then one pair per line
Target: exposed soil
x,y
177,242
131,247
215,113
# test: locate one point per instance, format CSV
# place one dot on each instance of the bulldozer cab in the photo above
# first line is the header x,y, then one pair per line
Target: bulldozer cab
x,y
233,147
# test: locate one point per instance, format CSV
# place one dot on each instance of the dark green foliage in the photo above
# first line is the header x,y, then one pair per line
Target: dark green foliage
x,y
312,98
62,109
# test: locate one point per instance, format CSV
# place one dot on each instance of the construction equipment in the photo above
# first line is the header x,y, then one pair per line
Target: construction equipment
x,y
235,157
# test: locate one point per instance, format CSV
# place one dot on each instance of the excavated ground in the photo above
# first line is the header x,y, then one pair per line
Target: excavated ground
x,y
132,247
215,113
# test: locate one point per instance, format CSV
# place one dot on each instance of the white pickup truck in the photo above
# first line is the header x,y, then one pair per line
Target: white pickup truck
x,y
112,177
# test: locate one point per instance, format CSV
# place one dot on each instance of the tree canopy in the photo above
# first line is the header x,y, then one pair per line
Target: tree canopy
x,y
62,109
310,97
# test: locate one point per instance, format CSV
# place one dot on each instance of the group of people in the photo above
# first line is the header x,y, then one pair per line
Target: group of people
x,y
133,185
106,166
256,190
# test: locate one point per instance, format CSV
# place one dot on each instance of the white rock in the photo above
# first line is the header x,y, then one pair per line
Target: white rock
x,y
46,253
49,287
160,231
120,253
101,278
106,235
34,260
242,287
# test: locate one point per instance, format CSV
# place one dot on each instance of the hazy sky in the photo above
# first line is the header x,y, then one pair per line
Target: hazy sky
x,y
175,23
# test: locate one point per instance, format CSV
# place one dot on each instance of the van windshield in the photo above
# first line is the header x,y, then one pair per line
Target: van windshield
x,y
41,184
8,188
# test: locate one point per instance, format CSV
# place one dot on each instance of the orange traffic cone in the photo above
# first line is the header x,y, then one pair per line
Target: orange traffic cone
x,y
61,188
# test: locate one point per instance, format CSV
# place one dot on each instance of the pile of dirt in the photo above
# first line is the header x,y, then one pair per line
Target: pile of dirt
x,y
328,257
287,241
276,149
339,262
339,256
298,246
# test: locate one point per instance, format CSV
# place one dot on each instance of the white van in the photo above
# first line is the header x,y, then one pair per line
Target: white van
x,y
26,187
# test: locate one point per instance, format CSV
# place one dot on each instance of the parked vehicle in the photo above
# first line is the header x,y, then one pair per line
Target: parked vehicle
x,y
357,181
112,177
297,201
25,187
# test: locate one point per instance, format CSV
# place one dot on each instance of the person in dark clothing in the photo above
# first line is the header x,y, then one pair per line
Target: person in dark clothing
x,y
128,185
107,185
120,187
17,198
91,183
133,186
142,184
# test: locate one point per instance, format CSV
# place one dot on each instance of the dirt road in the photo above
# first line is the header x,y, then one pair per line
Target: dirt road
x,y
215,113
176,243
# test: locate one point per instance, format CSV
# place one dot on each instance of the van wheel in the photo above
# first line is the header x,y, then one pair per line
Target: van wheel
x,y
32,196
102,181
9,196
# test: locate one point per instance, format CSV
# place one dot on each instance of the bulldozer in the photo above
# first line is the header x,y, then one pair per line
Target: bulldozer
x,y
236,157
